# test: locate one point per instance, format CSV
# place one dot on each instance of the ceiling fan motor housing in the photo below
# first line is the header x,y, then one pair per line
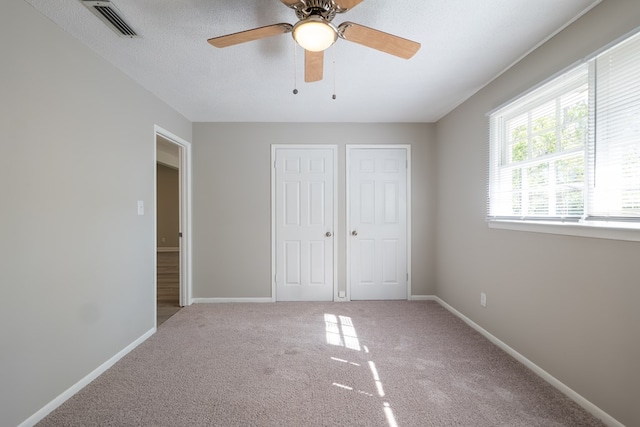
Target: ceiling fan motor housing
x,y
327,9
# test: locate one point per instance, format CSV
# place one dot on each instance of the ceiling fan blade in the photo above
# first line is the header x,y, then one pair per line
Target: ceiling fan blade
x,y
344,5
379,40
313,66
250,35
293,3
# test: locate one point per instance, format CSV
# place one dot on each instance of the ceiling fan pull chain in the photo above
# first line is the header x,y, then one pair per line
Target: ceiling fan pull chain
x,y
295,72
333,52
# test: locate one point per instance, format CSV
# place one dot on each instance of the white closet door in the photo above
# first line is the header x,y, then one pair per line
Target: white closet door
x,y
378,224
304,193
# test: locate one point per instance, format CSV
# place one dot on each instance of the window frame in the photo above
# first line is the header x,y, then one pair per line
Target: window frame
x,y
584,225
501,148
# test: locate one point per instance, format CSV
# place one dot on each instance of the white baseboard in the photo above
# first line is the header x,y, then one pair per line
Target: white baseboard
x,y
423,298
268,299
221,300
573,395
49,407
569,392
168,249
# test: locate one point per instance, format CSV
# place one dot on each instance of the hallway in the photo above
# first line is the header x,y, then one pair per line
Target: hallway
x,y
168,292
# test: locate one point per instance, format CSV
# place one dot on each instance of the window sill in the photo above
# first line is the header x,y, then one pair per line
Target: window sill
x,y
599,230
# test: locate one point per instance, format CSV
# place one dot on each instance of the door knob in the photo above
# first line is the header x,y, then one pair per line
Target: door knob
x,y
328,234
354,233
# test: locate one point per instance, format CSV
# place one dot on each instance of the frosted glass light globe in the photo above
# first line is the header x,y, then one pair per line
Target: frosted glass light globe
x,y
315,34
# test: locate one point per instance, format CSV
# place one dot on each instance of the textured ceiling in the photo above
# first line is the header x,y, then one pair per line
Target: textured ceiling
x,y
465,44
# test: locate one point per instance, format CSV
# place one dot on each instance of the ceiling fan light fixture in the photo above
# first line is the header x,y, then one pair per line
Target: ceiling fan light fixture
x,y
315,34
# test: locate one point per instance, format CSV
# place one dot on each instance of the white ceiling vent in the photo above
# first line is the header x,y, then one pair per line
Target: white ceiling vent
x,y
110,15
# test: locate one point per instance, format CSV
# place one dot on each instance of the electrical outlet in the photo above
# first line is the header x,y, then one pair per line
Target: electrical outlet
x,y
342,294
483,299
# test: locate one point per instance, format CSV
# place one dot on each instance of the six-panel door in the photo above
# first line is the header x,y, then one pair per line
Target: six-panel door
x,y
378,224
304,191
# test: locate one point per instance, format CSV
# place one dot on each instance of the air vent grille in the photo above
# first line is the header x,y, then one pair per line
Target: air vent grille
x,y
110,15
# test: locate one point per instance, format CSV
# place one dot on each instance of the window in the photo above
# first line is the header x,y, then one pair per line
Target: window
x,y
569,151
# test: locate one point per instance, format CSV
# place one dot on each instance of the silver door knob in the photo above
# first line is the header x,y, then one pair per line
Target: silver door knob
x,y
328,234
354,233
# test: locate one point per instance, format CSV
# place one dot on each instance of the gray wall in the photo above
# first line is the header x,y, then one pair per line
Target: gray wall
x,y
232,200
568,304
77,262
77,273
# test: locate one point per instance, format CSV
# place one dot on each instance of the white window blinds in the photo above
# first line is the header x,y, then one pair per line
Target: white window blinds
x,y
538,152
570,149
615,186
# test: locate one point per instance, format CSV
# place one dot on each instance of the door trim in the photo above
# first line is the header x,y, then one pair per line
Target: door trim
x,y
185,190
334,150
349,148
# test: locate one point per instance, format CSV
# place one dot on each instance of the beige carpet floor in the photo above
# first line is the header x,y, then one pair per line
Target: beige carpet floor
x,y
318,364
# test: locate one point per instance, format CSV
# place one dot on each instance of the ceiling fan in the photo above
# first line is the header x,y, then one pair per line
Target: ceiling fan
x,y
314,32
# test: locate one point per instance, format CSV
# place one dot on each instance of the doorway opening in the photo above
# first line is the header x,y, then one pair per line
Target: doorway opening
x,y
172,219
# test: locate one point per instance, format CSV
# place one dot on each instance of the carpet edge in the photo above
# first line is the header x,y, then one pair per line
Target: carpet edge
x,y
565,389
83,382
423,298
223,300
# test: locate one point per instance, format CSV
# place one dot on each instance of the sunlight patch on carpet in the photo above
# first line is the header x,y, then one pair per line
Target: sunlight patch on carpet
x,y
341,332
